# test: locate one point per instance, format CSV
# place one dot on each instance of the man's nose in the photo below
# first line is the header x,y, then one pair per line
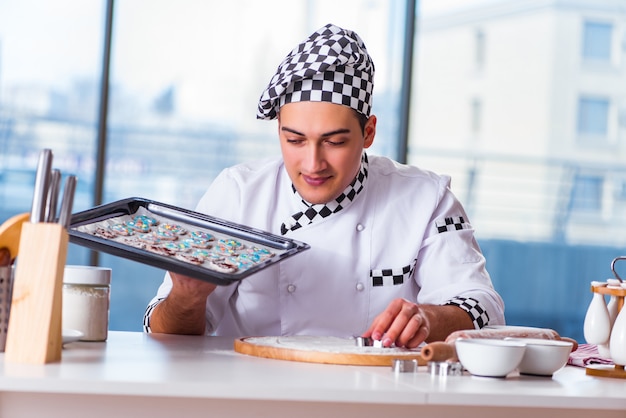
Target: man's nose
x,y
315,160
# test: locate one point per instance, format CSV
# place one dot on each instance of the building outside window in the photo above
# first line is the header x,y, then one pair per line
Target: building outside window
x,y
597,42
587,194
593,117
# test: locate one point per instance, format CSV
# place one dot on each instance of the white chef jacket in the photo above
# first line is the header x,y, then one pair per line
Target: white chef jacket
x,y
386,244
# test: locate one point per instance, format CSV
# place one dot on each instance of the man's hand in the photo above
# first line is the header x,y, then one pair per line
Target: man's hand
x,y
184,309
407,324
402,323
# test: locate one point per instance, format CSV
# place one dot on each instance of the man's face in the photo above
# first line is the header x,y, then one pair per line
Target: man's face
x,y
322,145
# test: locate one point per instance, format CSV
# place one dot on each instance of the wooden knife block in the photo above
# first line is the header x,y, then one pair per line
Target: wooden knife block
x,y
35,335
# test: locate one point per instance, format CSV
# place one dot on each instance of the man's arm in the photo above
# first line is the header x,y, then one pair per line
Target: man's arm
x,y
184,309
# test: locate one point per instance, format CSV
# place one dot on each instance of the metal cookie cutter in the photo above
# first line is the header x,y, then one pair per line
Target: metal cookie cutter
x,y
367,342
445,368
404,366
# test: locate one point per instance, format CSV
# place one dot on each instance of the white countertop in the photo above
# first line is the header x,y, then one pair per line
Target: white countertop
x,y
164,372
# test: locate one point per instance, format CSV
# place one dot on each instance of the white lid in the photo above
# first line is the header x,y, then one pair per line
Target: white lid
x,y
87,275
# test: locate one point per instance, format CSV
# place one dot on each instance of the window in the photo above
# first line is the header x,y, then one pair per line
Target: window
x,y
50,60
186,75
194,92
593,116
597,41
184,84
545,213
587,193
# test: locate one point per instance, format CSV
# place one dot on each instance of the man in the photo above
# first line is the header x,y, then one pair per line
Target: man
x,y
392,255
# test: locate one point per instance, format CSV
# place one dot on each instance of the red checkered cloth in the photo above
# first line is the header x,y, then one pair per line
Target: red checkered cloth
x,y
585,355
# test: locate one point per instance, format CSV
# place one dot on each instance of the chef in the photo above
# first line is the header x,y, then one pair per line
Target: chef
x,y
393,256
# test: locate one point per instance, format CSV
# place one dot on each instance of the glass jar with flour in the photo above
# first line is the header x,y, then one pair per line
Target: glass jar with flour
x,y
86,296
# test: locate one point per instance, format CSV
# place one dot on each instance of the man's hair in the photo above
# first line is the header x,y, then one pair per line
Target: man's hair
x,y
362,120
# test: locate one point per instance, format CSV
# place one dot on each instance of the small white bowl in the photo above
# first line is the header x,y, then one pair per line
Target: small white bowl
x,y
543,357
489,357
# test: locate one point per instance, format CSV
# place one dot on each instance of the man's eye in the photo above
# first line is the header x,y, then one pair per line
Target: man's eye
x,y
294,141
335,143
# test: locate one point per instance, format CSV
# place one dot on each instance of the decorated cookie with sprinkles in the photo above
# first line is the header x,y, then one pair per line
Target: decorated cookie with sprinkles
x,y
231,243
146,220
224,251
176,229
151,239
252,257
135,242
212,255
200,252
121,230
263,252
166,234
138,225
104,233
201,235
223,266
198,243
177,246
242,263
159,249
256,254
190,258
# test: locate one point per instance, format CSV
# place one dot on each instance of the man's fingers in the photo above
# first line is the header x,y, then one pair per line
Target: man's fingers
x,y
384,320
419,335
402,325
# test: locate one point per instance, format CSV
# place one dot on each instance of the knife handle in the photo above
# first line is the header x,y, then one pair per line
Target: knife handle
x,y
42,179
53,196
65,213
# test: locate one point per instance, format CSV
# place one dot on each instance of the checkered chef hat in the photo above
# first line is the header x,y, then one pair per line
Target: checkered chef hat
x,y
332,65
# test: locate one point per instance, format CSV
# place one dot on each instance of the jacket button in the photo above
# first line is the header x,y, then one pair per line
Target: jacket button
x,y
360,227
360,287
291,288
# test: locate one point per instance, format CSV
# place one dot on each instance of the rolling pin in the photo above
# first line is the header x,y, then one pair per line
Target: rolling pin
x,y
445,350
5,257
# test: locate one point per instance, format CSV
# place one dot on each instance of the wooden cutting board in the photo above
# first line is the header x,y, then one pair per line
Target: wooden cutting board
x,y
327,350
10,232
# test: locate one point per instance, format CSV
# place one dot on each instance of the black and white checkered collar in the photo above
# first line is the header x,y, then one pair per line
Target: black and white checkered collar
x,y
311,213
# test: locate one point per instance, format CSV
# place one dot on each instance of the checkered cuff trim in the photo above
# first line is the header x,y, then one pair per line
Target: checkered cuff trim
x,y
392,277
148,314
451,223
476,311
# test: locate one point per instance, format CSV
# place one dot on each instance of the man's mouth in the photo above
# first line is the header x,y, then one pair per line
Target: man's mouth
x,y
314,181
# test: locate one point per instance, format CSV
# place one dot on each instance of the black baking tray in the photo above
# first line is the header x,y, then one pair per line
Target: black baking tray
x,y
281,247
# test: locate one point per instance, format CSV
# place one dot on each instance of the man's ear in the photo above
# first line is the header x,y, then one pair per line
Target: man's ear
x,y
369,131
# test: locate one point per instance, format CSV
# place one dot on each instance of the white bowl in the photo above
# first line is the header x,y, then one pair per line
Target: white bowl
x,y
543,357
489,357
